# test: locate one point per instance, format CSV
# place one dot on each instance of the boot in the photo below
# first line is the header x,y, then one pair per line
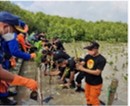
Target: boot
x,y
6,101
79,89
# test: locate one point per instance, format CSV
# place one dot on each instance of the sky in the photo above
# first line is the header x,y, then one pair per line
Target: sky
x,y
87,10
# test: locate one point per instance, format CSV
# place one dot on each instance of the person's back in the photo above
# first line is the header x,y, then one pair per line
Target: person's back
x,y
71,64
60,54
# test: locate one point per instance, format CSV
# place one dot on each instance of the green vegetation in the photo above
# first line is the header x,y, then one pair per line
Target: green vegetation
x,y
69,28
125,77
111,63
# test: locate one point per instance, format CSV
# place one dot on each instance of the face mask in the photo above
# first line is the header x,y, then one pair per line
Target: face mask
x,y
8,36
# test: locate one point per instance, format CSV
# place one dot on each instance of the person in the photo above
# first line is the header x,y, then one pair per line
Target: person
x,y
17,80
94,65
22,30
57,44
10,47
67,70
80,75
60,54
22,42
6,78
14,80
8,30
47,46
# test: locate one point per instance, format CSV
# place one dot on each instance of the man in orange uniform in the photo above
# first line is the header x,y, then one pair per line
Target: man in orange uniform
x,y
94,65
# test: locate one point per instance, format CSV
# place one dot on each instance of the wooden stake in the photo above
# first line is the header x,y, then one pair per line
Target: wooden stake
x,y
39,79
111,91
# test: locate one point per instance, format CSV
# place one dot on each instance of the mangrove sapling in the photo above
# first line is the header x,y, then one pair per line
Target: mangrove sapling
x,y
115,68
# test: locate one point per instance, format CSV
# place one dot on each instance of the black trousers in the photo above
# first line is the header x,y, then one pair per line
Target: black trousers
x,y
79,77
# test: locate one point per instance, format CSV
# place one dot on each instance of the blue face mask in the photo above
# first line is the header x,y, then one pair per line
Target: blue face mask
x,y
8,36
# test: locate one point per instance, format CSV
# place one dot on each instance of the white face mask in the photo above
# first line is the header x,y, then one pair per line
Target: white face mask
x,y
8,36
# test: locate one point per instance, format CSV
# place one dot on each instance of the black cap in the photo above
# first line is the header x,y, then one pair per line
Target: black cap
x,y
93,45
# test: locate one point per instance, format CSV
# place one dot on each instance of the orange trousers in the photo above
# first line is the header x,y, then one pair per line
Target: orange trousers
x,y
92,92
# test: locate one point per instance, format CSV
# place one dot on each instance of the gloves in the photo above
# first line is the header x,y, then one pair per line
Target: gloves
x,y
22,81
13,61
33,55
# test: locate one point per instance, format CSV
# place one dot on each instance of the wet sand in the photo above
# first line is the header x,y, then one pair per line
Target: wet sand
x,y
117,63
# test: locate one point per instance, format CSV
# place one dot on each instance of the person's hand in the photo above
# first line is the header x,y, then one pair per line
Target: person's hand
x,y
33,55
13,61
67,85
54,73
61,81
79,67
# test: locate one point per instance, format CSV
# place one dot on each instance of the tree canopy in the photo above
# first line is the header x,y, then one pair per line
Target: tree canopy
x,y
69,28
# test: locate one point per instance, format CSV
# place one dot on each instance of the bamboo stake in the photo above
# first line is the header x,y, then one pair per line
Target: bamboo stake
x,y
111,91
41,76
40,95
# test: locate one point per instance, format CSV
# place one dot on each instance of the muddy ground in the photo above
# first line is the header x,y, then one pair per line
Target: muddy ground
x,y
117,63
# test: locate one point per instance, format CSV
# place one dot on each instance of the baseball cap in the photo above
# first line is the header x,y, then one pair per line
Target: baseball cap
x,y
92,45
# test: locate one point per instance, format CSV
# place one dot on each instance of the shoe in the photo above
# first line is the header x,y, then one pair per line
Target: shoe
x,y
34,95
6,101
82,90
10,94
79,89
